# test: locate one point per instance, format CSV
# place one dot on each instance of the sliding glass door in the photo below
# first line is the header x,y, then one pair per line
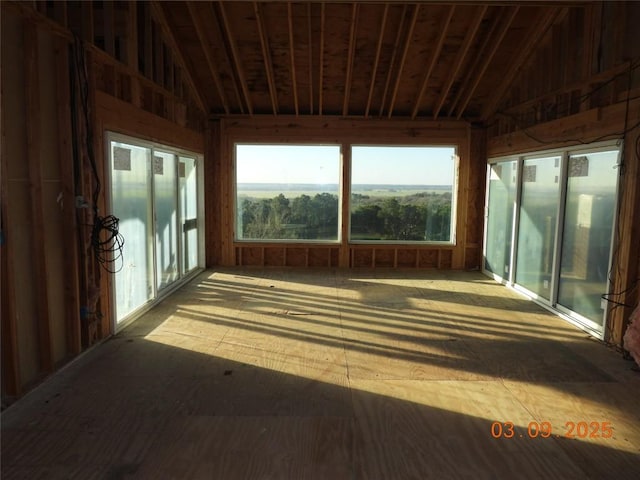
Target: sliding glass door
x,y
130,186
537,229
588,228
154,194
562,208
501,200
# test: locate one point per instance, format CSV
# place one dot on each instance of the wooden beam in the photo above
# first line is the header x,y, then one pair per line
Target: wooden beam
x,y
377,60
310,40
393,59
477,74
321,62
65,158
532,39
434,58
236,57
202,37
266,56
462,55
350,56
407,44
158,12
33,120
294,85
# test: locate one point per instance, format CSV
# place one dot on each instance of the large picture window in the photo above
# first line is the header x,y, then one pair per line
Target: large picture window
x,y
402,193
287,192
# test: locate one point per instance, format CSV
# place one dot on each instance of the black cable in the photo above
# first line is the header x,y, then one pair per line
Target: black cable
x,y
107,242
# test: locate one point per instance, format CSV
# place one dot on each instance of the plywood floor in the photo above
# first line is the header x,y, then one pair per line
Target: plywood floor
x,y
329,374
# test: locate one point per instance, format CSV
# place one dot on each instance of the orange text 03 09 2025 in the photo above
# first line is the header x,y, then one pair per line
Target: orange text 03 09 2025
x,y
570,429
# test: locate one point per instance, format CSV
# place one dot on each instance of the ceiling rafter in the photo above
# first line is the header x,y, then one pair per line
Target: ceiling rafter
x,y
471,71
310,40
393,59
293,60
532,38
266,55
487,58
158,13
352,50
235,57
321,62
462,55
202,37
405,51
434,59
377,60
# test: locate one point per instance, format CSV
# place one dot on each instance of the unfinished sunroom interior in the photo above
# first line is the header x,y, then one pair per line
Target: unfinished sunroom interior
x,y
321,240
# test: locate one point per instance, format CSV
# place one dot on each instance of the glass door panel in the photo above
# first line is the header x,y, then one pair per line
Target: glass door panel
x,y
166,217
502,196
130,194
537,226
188,212
588,228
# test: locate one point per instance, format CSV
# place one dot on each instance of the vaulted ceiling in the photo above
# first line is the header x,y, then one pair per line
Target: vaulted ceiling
x,y
429,60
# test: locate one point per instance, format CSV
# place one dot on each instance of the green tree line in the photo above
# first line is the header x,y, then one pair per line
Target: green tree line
x,y
418,217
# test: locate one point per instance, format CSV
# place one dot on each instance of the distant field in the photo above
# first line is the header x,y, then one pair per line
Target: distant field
x,y
382,192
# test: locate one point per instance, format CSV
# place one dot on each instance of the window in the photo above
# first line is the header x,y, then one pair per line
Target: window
x,y
288,192
402,194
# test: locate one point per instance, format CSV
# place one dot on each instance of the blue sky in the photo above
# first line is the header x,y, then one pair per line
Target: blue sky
x,y
321,164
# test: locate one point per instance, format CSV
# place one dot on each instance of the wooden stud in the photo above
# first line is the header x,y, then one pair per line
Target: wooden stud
x,y
236,57
345,185
33,119
65,156
403,59
266,56
487,59
294,86
321,61
350,58
434,59
202,37
377,60
158,56
132,35
310,42
167,33
148,41
462,55
108,27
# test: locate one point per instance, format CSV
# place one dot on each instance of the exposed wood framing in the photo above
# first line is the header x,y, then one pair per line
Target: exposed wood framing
x,y
321,60
434,59
310,42
109,27
531,42
211,63
292,57
147,41
33,120
383,24
266,55
350,57
405,51
132,34
167,33
236,58
461,57
477,74
65,154
396,44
